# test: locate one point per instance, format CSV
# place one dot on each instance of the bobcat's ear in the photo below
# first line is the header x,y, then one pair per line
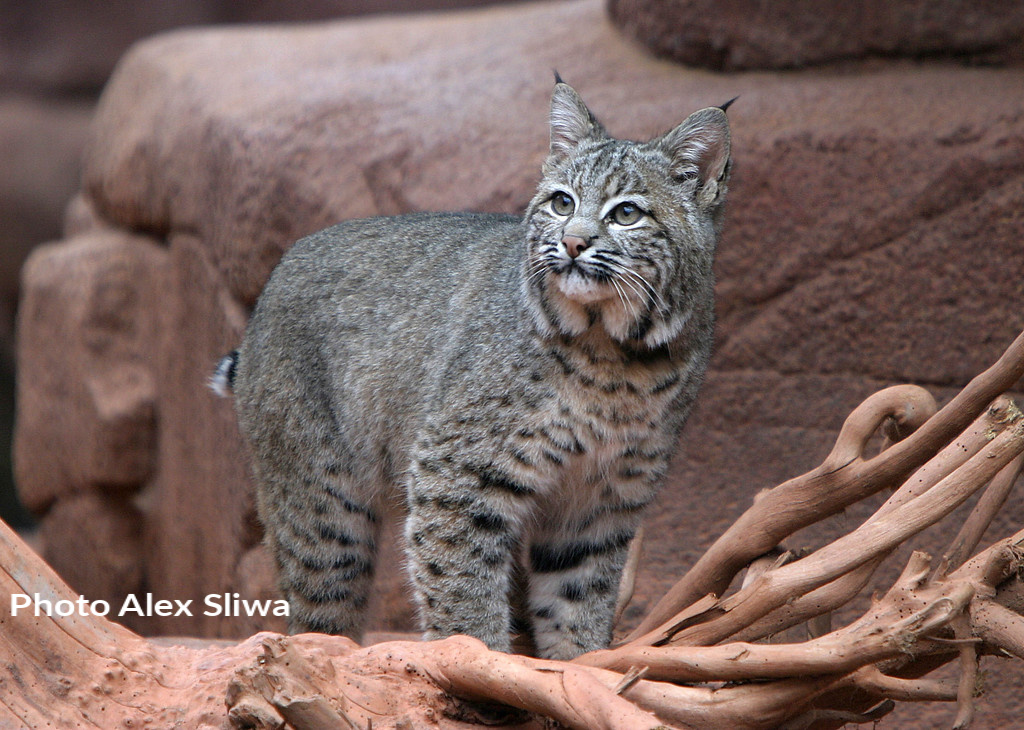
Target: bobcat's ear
x,y
571,122
699,148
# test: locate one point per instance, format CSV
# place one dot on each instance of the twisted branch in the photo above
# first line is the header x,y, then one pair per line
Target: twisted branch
x,y
844,478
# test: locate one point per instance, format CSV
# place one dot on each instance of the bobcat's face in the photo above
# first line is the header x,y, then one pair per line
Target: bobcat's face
x,y
596,239
617,228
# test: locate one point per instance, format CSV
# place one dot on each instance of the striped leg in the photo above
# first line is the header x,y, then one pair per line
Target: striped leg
x,y
573,585
461,533
325,546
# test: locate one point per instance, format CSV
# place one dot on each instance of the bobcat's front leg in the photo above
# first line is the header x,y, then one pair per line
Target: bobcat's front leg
x,y
462,530
573,584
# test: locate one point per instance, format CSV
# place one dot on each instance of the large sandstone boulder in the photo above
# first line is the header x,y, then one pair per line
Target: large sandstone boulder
x,y
752,34
55,58
40,146
874,235
70,46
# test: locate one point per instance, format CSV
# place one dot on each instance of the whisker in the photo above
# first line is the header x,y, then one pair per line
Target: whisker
x,y
536,268
615,272
641,294
605,266
626,304
629,275
530,278
641,280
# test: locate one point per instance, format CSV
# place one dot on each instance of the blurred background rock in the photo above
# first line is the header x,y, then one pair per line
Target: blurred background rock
x,y
55,57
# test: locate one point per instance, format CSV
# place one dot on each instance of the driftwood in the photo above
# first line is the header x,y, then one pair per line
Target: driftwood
x,y
697,660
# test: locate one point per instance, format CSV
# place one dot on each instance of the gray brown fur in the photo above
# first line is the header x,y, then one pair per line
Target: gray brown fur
x,y
524,403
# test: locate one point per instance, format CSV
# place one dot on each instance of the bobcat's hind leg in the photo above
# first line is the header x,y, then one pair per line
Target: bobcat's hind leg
x,y
324,540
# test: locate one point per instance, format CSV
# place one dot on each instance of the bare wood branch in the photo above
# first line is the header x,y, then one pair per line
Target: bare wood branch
x,y
832,595
992,500
867,542
885,632
994,420
820,601
844,477
627,583
566,693
999,626
779,512
815,717
871,680
968,684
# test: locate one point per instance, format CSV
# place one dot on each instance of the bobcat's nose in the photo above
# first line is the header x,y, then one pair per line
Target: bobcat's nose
x,y
575,245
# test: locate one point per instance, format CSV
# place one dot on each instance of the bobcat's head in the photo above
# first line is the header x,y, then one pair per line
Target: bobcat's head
x,y
622,234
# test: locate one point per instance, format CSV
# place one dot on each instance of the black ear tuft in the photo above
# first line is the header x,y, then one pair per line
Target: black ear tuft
x,y
723,107
558,77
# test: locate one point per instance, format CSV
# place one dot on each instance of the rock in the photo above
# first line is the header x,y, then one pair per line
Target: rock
x,y
891,234
72,45
256,578
54,59
120,446
200,521
748,34
94,543
873,236
42,143
86,388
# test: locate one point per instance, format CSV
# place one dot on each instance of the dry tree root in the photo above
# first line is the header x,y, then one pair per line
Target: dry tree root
x,y
698,660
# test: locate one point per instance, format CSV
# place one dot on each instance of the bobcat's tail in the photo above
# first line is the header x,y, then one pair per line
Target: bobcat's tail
x,y
223,379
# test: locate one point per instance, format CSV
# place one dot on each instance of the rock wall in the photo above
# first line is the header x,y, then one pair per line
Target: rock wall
x,y
874,235
55,57
751,34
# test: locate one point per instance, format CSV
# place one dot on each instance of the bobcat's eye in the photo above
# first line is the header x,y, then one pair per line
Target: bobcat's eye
x,y
562,204
626,214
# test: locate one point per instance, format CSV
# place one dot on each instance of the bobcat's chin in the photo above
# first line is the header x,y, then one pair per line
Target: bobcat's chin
x,y
582,302
582,288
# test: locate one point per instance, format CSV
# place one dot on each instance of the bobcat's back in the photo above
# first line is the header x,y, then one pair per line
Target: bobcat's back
x,y
360,318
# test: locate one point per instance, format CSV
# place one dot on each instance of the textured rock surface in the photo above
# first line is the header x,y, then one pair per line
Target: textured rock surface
x,y
87,391
751,34
55,56
106,556
72,45
867,242
40,145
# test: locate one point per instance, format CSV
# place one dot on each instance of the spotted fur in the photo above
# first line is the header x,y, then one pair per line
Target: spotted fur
x,y
521,382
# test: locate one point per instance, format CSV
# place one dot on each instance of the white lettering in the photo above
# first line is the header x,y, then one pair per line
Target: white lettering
x,y
131,604
64,607
232,604
17,602
256,608
211,601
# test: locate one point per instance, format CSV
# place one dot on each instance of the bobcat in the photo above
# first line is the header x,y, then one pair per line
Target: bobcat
x,y
520,382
